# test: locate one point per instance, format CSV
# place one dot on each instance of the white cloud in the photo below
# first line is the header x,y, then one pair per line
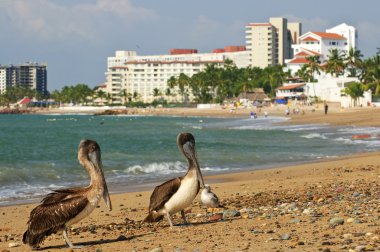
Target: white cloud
x,y
48,20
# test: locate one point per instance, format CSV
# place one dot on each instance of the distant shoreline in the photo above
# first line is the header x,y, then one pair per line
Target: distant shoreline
x,y
358,116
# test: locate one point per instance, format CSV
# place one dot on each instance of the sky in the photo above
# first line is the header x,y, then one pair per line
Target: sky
x,y
75,37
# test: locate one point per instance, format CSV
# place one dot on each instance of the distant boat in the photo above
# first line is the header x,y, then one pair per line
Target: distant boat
x,y
361,136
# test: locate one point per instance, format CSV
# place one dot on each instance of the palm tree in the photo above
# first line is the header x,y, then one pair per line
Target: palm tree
x,y
355,90
314,66
101,95
183,81
335,64
274,76
135,95
124,95
304,73
352,60
373,73
156,92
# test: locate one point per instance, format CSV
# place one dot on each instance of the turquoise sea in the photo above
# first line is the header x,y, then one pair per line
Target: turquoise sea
x,y
39,152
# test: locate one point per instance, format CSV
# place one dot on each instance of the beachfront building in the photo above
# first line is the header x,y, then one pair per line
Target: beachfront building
x,y
135,77
330,88
270,44
341,37
30,75
291,91
326,87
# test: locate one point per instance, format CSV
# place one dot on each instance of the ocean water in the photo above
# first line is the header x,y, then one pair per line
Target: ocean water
x,y
39,152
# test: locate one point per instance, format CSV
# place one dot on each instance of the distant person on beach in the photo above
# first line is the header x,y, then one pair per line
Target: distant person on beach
x,y
326,108
287,111
266,114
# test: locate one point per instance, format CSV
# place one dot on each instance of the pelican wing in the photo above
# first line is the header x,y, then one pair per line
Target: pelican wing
x,y
163,193
61,194
51,216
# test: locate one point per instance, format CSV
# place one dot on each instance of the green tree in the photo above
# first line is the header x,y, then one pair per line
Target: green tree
x,y
156,92
304,73
274,76
124,95
353,61
335,65
183,82
314,66
372,74
355,91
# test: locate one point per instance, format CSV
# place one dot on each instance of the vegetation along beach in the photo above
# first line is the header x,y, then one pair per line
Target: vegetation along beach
x,y
328,203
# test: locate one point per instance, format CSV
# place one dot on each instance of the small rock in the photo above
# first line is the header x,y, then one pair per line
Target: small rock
x,y
350,220
216,217
230,213
13,244
121,238
159,249
306,211
256,231
285,237
360,248
336,221
347,236
295,221
355,194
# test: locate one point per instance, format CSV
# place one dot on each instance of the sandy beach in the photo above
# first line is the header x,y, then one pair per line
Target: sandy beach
x,y
329,205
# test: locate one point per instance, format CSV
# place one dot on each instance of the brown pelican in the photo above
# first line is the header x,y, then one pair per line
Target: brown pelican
x,y
64,207
209,199
177,194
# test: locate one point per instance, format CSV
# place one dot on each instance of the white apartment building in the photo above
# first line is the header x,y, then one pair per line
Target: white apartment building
x,y
347,31
130,73
270,43
341,37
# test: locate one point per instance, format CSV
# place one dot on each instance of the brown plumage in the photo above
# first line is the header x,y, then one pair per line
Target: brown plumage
x,y
64,207
160,196
178,193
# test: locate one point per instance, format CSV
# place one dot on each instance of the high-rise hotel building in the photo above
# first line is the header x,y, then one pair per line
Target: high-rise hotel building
x,y
30,75
270,43
267,44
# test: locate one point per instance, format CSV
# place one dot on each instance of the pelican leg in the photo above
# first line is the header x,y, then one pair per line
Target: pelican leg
x,y
184,217
68,242
169,219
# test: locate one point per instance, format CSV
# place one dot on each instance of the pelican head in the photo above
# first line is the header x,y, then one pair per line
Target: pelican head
x,y
90,157
207,188
186,143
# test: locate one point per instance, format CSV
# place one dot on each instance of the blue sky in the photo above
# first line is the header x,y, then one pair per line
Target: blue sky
x,y
75,36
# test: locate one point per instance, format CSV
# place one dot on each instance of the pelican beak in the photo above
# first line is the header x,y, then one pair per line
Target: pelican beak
x,y
106,197
189,151
199,173
94,157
